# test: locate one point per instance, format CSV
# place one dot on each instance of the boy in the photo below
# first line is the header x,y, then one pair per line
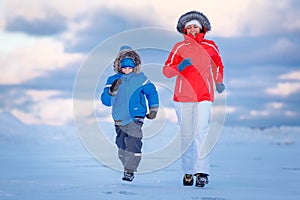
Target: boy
x,y
126,92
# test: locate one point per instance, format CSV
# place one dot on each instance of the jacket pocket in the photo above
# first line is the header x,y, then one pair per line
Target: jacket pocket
x,y
180,85
208,85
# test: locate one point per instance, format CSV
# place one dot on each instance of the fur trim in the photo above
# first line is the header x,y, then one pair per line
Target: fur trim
x,y
128,54
193,15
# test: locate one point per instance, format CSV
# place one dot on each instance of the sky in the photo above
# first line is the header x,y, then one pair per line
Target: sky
x,y
45,43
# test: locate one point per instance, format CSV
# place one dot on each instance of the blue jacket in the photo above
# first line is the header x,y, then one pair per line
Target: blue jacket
x,y
130,100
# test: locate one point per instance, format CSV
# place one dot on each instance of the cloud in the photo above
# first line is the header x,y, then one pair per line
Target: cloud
x,y
275,105
225,20
52,25
270,18
290,113
273,111
46,109
284,89
44,40
253,18
284,50
99,26
261,50
254,115
295,75
35,9
31,61
259,113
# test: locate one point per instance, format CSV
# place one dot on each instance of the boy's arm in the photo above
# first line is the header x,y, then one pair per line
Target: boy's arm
x,y
107,93
105,96
152,96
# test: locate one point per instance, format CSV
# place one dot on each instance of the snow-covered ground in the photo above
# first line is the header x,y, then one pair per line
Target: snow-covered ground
x,y
40,163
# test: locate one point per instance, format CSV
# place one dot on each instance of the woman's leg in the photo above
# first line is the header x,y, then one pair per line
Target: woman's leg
x,y
203,113
185,117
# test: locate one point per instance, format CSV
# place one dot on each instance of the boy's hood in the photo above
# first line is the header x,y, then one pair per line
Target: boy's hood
x,y
128,53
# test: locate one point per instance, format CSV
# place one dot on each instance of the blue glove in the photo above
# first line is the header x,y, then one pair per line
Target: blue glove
x,y
184,63
220,87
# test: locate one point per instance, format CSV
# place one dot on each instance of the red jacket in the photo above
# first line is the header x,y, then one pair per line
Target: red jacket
x,y
195,83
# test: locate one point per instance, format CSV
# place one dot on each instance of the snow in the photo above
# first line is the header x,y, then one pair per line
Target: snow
x,y
42,162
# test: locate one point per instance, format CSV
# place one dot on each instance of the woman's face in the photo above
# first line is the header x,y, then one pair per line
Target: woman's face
x,y
192,29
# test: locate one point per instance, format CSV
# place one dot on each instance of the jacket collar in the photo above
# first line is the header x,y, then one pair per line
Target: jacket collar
x,y
199,38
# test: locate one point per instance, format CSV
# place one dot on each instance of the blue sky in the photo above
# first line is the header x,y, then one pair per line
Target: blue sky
x,y
44,43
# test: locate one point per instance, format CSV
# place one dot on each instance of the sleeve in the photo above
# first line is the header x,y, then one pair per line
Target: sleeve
x,y
105,96
149,90
217,64
170,68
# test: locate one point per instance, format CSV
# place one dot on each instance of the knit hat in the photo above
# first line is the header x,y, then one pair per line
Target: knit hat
x,y
193,15
125,47
127,62
127,57
193,22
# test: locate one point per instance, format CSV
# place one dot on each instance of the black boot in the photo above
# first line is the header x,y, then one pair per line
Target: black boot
x,y
128,176
201,179
188,180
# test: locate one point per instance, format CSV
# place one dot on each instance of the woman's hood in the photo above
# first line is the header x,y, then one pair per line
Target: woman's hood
x,y
193,15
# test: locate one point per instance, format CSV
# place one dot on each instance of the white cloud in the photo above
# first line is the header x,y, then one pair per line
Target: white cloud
x,y
23,57
231,109
12,41
283,45
42,95
47,109
226,20
222,110
262,113
269,17
275,105
254,114
284,89
259,113
283,48
86,110
36,9
32,60
290,113
295,75
252,18
272,109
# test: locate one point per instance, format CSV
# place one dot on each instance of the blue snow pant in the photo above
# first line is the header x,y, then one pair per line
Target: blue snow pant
x,y
129,142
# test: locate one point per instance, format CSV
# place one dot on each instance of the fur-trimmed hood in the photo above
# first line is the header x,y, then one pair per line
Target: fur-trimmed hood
x,y
128,53
193,15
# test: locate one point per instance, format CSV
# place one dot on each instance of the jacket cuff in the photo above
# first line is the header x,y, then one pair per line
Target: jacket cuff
x,y
153,109
112,93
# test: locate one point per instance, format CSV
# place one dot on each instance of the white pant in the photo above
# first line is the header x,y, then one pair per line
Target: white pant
x,y
194,120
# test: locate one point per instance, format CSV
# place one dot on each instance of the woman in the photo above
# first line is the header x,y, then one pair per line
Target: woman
x,y
196,63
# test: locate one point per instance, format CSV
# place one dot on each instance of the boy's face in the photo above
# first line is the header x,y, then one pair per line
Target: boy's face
x,y
192,29
127,70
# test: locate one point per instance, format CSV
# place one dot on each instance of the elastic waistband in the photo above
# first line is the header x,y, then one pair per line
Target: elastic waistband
x,y
137,118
